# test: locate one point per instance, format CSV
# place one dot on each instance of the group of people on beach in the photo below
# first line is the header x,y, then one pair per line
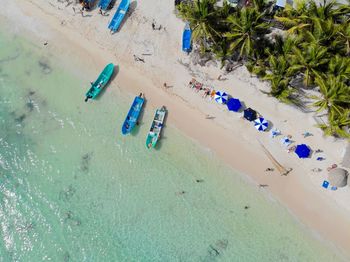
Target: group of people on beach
x,y
207,92
287,140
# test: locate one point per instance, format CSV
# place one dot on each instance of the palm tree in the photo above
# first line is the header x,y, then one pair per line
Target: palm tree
x,y
295,18
344,37
323,32
340,66
310,60
279,78
202,18
221,51
323,11
338,124
334,95
246,27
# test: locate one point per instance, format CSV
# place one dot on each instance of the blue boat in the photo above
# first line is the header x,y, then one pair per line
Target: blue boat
x,y
119,15
133,115
186,39
103,4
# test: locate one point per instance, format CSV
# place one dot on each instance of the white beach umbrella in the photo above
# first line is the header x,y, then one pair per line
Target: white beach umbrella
x,y
221,97
286,141
261,124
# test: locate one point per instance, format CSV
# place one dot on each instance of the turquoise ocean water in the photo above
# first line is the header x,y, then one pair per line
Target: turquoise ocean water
x,y
72,188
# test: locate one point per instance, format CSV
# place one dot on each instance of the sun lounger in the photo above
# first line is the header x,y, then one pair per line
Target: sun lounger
x,y
275,132
286,141
334,188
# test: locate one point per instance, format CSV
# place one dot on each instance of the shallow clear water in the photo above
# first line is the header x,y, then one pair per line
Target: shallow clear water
x,y
72,188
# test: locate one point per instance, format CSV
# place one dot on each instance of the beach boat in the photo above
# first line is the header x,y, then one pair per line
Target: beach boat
x,y
133,115
186,38
88,4
104,4
156,127
100,83
119,15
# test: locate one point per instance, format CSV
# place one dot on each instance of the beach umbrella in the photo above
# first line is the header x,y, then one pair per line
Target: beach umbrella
x,y
275,132
303,151
221,97
261,124
249,114
233,104
338,177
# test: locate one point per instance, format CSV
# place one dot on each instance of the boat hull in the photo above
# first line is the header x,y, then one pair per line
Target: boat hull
x,y
133,115
156,128
104,4
186,39
100,83
119,15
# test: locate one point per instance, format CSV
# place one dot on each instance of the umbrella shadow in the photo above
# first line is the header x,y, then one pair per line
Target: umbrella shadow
x,y
243,107
269,126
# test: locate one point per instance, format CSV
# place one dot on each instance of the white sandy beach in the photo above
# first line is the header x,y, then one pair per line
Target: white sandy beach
x,y
86,41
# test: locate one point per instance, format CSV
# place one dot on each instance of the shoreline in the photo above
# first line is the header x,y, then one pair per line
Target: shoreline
x,y
304,200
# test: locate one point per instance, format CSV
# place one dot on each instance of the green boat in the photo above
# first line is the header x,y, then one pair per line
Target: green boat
x,y
100,83
156,127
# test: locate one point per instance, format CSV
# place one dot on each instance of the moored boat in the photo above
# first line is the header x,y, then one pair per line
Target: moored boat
x,y
119,15
100,82
186,38
133,115
156,127
104,4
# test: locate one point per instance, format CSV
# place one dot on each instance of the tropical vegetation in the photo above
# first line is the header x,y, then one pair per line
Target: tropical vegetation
x,y
305,47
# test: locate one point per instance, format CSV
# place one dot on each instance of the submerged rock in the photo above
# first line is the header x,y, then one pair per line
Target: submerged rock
x,y
85,161
67,194
20,118
44,65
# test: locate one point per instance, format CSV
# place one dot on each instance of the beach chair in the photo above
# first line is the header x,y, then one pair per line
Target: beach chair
x,y
275,132
334,188
286,141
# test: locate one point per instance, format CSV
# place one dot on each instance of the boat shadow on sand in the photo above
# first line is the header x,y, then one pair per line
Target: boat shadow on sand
x,y
114,75
136,130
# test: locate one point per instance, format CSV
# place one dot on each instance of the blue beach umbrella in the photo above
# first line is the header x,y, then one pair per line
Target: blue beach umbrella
x,y
261,124
303,151
249,114
233,104
221,97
